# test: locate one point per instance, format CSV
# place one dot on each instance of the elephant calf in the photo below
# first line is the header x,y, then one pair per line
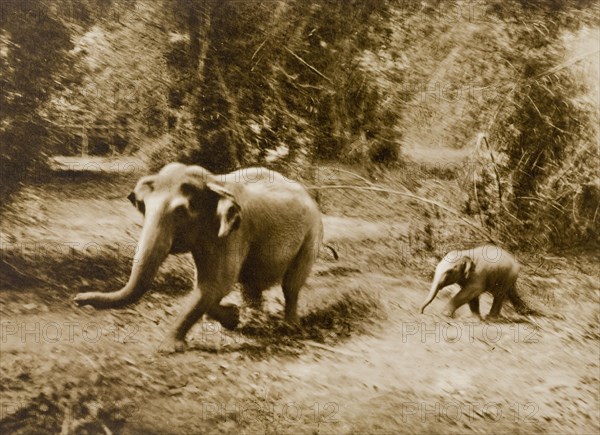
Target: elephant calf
x,y
251,226
485,268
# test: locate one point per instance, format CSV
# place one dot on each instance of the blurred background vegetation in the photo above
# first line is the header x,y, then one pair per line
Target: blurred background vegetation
x,y
226,83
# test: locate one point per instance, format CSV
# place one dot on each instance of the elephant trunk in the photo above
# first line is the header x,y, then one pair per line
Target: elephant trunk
x,y
154,246
436,286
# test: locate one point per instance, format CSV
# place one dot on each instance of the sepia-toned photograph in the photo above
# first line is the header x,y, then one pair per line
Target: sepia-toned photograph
x,y
299,217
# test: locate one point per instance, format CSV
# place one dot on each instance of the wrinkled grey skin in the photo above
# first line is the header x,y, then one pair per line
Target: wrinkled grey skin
x,y
250,226
485,268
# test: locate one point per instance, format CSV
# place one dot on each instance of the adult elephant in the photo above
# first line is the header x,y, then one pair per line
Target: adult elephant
x,y
251,226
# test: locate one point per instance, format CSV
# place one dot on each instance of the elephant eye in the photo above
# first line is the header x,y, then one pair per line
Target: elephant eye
x,y
137,203
181,211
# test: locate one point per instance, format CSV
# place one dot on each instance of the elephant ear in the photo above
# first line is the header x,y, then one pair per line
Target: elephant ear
x,y
143,188
228,210
468,267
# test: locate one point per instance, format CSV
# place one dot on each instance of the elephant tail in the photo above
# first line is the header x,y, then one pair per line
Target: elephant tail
x,y
328,246
520,306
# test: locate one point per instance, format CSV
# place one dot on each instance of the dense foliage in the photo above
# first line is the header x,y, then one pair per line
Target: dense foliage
x,y
33,53
542,185
282,77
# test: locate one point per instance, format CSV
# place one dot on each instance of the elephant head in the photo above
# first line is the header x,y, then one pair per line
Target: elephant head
x,y
183,207
449,271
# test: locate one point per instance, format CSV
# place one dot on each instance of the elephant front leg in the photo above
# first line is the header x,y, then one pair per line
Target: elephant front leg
x,y
474,306
227,315
459,299
194,309
212,285
252,294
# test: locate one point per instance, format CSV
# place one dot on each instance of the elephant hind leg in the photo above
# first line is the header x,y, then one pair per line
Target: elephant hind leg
x,y
520,306
496,306
295,277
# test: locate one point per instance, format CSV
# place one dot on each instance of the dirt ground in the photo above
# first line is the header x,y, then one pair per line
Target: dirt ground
x,y
365,362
